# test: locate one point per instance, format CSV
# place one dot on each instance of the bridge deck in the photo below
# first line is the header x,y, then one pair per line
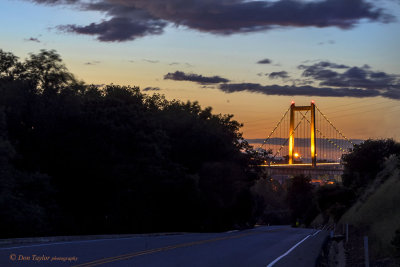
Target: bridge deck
x,y
333,170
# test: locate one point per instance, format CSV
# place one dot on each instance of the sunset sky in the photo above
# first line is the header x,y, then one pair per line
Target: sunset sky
x,y
242,57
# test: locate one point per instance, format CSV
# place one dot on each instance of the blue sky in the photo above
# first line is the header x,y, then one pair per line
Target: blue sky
x,y
200,47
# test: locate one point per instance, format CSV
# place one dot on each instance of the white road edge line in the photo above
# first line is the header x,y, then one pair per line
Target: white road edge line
x,y
316,232
287,252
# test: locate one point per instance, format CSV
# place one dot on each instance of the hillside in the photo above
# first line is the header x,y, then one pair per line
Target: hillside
x,y
378,209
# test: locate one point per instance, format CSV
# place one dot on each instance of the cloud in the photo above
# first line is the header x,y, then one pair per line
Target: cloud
x,y
151,89
56,2
32,39
232,16
337,75
187,65
278,74
181,76
331,42
264,61
330,79
151,61
118,29
323,65
131,19
297,90
92,62
209,87
301,82
323,78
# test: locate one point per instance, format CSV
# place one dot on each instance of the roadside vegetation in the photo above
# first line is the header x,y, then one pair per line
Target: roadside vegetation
x,y
377,210
369,198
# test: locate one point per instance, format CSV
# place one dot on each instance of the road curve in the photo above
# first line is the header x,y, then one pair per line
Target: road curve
x,y
262,246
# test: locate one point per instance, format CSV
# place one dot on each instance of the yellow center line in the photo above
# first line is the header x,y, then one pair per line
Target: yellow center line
x,y
150,251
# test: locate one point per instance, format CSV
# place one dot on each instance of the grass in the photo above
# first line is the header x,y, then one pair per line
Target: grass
x,y
380,213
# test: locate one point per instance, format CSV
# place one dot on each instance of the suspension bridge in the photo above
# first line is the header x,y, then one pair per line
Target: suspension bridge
x,y
304,141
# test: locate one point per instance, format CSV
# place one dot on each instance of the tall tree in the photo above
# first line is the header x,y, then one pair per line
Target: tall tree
x,y
47,72
365,161
301,200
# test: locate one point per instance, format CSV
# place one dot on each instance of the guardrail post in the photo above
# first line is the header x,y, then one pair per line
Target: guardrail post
x,y
366,254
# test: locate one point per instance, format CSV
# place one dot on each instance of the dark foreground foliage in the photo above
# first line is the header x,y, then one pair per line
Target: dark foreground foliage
x,y
396,241
301,199
368,196
365,161
363,166
78,159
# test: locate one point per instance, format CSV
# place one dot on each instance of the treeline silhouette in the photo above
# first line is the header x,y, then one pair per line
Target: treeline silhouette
x,y
83,159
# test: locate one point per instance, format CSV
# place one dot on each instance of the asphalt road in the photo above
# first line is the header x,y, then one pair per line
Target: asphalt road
x,y
262,246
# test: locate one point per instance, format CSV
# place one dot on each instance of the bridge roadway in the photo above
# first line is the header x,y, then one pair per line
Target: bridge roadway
x,y
329,169
261,246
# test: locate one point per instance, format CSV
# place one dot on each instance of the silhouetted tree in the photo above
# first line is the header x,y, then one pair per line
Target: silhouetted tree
x,y
115,160
9,66
272,196
334,200
301,200
46,72
365,161
26,203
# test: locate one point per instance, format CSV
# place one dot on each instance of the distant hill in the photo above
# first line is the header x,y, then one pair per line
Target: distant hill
x,y
301,141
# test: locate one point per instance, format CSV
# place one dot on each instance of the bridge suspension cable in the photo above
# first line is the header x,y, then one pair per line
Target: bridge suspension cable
x,y
276,127
295,128
329,140
333,126
330,143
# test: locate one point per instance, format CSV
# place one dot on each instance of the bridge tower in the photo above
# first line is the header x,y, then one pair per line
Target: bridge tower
x,y
293,109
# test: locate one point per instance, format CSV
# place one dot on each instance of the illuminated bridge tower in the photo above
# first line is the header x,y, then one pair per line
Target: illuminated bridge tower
x,y
293,109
